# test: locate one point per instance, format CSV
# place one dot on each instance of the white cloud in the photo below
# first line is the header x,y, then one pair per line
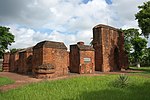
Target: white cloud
x,y
69,20
124,11
25,37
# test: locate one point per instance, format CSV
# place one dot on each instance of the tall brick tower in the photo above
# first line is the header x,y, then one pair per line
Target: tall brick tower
x,y
108,43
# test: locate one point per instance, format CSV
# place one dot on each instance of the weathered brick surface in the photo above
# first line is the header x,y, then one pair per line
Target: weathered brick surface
x,y
50,59
14,61
108,43
5,66
79,53
25,61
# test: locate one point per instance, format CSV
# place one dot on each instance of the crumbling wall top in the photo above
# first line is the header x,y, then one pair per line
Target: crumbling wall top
x,y
50,44
105,26
29,49
83,47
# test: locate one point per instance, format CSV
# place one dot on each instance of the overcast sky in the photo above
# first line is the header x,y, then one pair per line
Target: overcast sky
x,y
68,21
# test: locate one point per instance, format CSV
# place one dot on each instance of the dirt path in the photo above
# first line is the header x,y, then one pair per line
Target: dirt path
x,y
21,80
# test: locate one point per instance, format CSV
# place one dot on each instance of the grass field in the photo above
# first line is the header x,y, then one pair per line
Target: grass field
x,y
82,88
145,70
141,68
5,81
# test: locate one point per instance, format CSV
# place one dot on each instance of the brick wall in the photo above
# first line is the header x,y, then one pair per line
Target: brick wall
x,y
5,67
87,63
81,58
25,61
51,61
74,59
14,60
108,43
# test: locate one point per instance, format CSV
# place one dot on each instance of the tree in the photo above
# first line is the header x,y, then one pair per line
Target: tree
x,y
146,57
129,34
6,38
14,50
134,45
143,17
139,44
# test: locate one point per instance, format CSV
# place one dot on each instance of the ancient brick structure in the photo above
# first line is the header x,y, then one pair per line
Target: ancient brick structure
x,y
108,43
81,58
14,62
25,61
50,59
5,67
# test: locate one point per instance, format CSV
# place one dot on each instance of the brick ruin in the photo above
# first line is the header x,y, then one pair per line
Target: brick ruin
x,y
48,59
14,61
25,61
81,58
6,61
108,43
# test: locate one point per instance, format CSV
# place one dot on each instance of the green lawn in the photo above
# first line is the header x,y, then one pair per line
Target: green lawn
x,y
145,70
82,88
5,81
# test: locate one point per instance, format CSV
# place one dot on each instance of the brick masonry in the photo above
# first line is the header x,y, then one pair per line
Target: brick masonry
x,y
6,66
81,58
14,61
25,61
48,59
108,43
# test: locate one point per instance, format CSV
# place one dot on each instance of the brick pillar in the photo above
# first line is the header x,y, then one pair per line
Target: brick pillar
x,y
5,66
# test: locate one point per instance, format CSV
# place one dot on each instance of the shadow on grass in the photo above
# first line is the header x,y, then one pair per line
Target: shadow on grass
x,y
142,70
131,93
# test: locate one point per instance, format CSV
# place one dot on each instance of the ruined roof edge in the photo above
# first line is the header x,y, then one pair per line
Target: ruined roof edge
x,y
83,47
50,44
106,26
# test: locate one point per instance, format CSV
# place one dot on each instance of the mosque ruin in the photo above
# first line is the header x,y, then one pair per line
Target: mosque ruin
x,y
48,59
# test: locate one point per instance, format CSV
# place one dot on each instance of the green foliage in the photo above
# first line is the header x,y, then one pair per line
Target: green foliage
x,y
14,50
121,81
129,34
146,57
6,38
134,45
139,44
143,17
5,81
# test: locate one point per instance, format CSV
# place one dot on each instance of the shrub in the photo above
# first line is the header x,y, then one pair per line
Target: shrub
x,y
121,81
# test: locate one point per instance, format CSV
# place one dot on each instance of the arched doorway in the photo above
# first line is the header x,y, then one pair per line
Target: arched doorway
x,y
116,60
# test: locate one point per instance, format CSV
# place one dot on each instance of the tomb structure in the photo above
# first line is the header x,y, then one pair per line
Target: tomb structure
x,y
50,59
81,58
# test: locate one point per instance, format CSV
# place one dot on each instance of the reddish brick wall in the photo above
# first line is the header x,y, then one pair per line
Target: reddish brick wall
x,y
37,58
50,61
14,60
21,62
58,58
78,54
108,43
5,66
74,59
25,61
87,67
